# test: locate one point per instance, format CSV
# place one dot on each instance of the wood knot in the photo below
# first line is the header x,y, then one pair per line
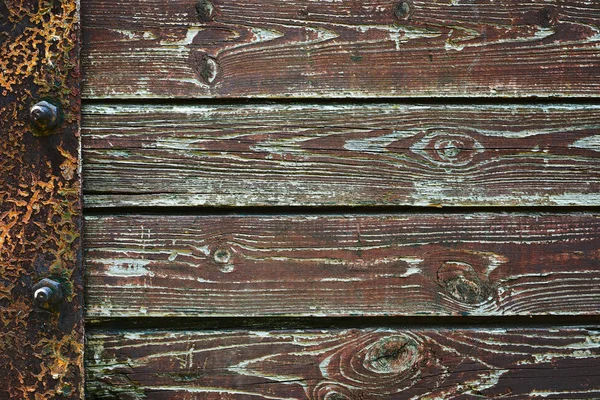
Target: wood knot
x,y
223,257
205,10
447,148
303,12
391,355
205,66
548,16
461,282
379,362
327,390
402,10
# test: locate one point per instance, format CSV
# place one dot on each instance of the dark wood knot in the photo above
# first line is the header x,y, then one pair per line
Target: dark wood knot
x,y
205,66
462,283
378,362
548,16
222,258
448,148
392,355
402,10
205,10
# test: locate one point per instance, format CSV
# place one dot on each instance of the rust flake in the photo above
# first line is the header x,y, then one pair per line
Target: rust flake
x,y
41,351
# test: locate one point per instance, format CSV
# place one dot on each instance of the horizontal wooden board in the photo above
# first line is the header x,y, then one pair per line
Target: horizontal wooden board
x,y
319,155
516,363
310,48
377,265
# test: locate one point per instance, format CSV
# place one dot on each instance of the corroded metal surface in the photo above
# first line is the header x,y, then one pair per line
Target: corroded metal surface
x,y
41,351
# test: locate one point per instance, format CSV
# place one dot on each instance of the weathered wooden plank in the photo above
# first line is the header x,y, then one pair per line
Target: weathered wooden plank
x,y
422,264
309,48
374,154
517,363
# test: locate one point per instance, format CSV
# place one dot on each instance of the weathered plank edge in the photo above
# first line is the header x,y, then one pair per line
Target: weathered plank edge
x,y
419,264
235,155
346,364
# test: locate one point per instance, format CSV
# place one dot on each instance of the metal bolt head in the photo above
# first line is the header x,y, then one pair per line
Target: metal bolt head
x,y
47,293
42,295
44,116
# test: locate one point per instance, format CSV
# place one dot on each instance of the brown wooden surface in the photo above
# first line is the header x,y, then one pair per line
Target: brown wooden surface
x,y
148,268
41,351
512,363
373,48
436,264
369,154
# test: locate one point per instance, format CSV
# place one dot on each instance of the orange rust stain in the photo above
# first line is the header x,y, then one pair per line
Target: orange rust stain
x,y
41,352
40,50
69,166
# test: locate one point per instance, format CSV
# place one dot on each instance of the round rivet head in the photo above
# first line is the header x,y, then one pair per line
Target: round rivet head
x,y
46,293
44,116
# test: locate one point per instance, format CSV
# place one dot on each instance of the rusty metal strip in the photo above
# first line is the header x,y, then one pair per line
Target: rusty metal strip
x,y
41,345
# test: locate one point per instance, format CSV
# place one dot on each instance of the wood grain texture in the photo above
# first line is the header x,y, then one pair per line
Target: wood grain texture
x,y
310,48
378,265
559,363
319,155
